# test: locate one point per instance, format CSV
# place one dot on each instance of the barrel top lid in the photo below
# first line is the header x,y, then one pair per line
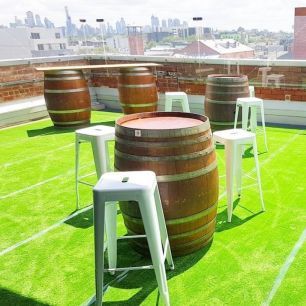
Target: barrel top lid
x,y
81,67
162,123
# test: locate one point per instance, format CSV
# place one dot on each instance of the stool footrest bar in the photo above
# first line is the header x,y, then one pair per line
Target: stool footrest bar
x,y
128,268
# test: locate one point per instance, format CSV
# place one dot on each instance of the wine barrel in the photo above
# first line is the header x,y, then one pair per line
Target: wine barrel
x,y
222,91
137,90
178,147
67,98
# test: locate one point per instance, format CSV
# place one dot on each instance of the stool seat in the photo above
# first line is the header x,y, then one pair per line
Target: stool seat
x,y
176,96
234,140
139,186
253,104
98,136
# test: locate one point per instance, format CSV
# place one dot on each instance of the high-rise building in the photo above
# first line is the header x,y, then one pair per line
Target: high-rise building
x,y
38,21
154,23
69,25
29,21
299,42
135,40
48,23
164,23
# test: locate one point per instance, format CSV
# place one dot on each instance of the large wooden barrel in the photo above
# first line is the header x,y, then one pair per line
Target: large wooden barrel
x,y
178,147
67,98
222,91
137,90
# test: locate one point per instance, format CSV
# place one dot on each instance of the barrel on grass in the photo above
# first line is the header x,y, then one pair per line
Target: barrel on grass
x,y
67,98
137,90
222,91
178,147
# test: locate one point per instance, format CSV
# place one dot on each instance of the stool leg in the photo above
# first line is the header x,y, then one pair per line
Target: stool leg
x,y
99,218
168,104
111,233
258,174
230,170
236,116
77,160
185,104
245,115
163,228
253,120
263,125
150,220
238,172
99,153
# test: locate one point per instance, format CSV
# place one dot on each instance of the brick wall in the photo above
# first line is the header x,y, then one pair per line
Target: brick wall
x,y
19,81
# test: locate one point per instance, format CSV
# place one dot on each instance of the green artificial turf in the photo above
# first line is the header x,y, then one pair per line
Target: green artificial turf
x,y
239,267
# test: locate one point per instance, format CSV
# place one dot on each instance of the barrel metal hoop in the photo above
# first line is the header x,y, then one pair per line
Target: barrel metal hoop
x,y
181,132
64,72
136,74
138,105
219,102
70,122
227,85
69,111
187,175
65,78
178,221
165,158
165,144
66,90
137,85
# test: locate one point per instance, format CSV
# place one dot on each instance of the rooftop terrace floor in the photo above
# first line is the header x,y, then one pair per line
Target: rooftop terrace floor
x,y
46,248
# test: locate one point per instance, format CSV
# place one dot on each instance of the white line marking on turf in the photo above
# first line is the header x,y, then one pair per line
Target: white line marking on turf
x,y
41,233
40,183
285,268
118,279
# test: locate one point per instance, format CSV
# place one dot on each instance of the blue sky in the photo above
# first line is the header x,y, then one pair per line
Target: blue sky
x,y
221,14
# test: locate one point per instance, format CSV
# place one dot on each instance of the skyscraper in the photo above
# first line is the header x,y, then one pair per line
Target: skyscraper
x,y
29,21
38,21
299,43
69,25
48,23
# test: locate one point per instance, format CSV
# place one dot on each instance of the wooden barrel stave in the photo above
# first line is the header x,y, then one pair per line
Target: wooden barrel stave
x,y
67,98
221,95
186,220
137,90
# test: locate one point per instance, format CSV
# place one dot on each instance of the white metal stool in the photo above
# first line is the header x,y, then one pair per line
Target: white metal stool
x,y
140,186
98,135
234,140
253,104
177,96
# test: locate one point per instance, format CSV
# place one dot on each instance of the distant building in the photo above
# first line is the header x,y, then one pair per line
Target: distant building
x,y
38,21
29,21
299,43
135,38
219,48
32,42
48,23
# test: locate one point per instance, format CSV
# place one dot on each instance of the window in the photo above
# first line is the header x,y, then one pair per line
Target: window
x,y
40,47
62,46
57,35
35,35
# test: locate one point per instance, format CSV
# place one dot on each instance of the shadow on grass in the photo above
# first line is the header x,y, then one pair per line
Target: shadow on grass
x,y
83,220
144,280
223,225
51,130
10,298
248,153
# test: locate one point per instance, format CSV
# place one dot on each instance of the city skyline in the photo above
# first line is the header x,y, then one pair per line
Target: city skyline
x,y
274,15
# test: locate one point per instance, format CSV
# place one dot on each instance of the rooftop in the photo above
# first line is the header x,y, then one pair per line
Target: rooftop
x,y
46,247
